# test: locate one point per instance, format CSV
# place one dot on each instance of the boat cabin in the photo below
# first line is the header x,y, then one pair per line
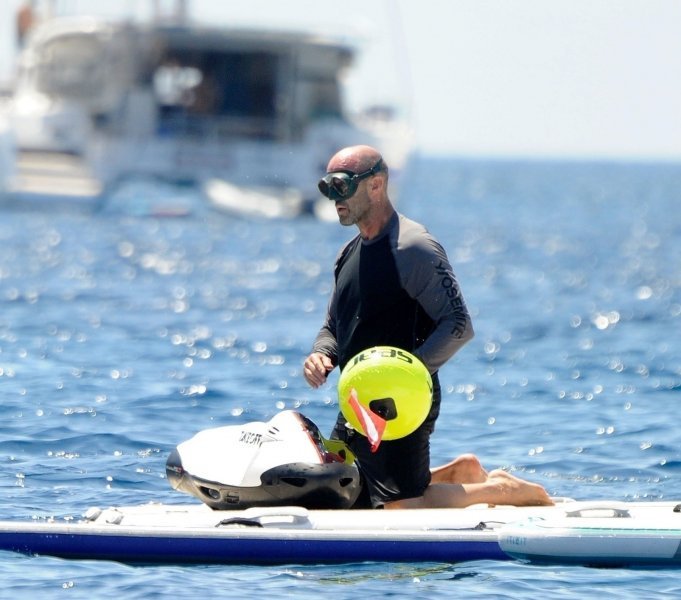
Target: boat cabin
x,y
186,81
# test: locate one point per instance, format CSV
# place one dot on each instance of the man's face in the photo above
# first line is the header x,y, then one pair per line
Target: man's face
x,y
356,208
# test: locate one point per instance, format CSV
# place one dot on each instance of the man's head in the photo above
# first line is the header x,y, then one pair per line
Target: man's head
x,y
357,181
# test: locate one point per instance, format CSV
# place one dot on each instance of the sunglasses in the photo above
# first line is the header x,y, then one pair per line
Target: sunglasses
x,y
341,185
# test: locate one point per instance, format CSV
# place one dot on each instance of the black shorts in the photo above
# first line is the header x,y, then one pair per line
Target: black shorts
x,y
399,469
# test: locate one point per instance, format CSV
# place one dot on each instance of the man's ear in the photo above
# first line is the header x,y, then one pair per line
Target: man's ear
x,y
376,184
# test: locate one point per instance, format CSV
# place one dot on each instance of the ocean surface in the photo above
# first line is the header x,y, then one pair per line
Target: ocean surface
x,y
122,335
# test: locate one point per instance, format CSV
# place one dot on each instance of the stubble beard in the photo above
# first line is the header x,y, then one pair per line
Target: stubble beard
x,y
354,214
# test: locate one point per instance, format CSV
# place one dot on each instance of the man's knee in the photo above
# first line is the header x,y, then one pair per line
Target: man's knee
x,y
469,460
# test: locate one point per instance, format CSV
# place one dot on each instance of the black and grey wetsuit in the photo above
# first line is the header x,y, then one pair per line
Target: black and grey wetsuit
x,y
397,289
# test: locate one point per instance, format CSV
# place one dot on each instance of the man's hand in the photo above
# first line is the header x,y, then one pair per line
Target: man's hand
x,y
316,367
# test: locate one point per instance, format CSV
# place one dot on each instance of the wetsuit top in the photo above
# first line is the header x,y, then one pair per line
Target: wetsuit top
x,y
397,289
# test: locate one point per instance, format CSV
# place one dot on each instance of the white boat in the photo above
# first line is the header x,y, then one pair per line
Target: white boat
x,y
248,116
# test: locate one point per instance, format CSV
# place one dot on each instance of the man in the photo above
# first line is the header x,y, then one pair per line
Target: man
x,y
394,286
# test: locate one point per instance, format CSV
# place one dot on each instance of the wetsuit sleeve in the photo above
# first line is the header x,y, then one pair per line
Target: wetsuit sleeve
x,y
428,277
325,342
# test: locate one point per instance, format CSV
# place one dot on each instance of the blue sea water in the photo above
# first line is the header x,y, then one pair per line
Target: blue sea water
x,y
122,335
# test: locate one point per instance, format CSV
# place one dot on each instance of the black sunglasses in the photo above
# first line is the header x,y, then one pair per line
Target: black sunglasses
x,y
341,185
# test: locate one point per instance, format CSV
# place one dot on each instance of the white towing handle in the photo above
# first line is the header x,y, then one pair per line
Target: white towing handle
x,y
600,510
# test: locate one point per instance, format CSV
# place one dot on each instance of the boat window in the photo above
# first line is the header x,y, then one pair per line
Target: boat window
x,y
237,89
320,70
325,99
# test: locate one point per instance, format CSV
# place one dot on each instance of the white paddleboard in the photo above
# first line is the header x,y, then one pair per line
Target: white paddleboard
x,y
599,534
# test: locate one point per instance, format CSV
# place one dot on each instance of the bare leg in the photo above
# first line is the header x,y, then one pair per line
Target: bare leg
x,y
499,488
463,469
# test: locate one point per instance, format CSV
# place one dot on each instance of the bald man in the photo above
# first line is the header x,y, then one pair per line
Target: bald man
x,y
394,286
